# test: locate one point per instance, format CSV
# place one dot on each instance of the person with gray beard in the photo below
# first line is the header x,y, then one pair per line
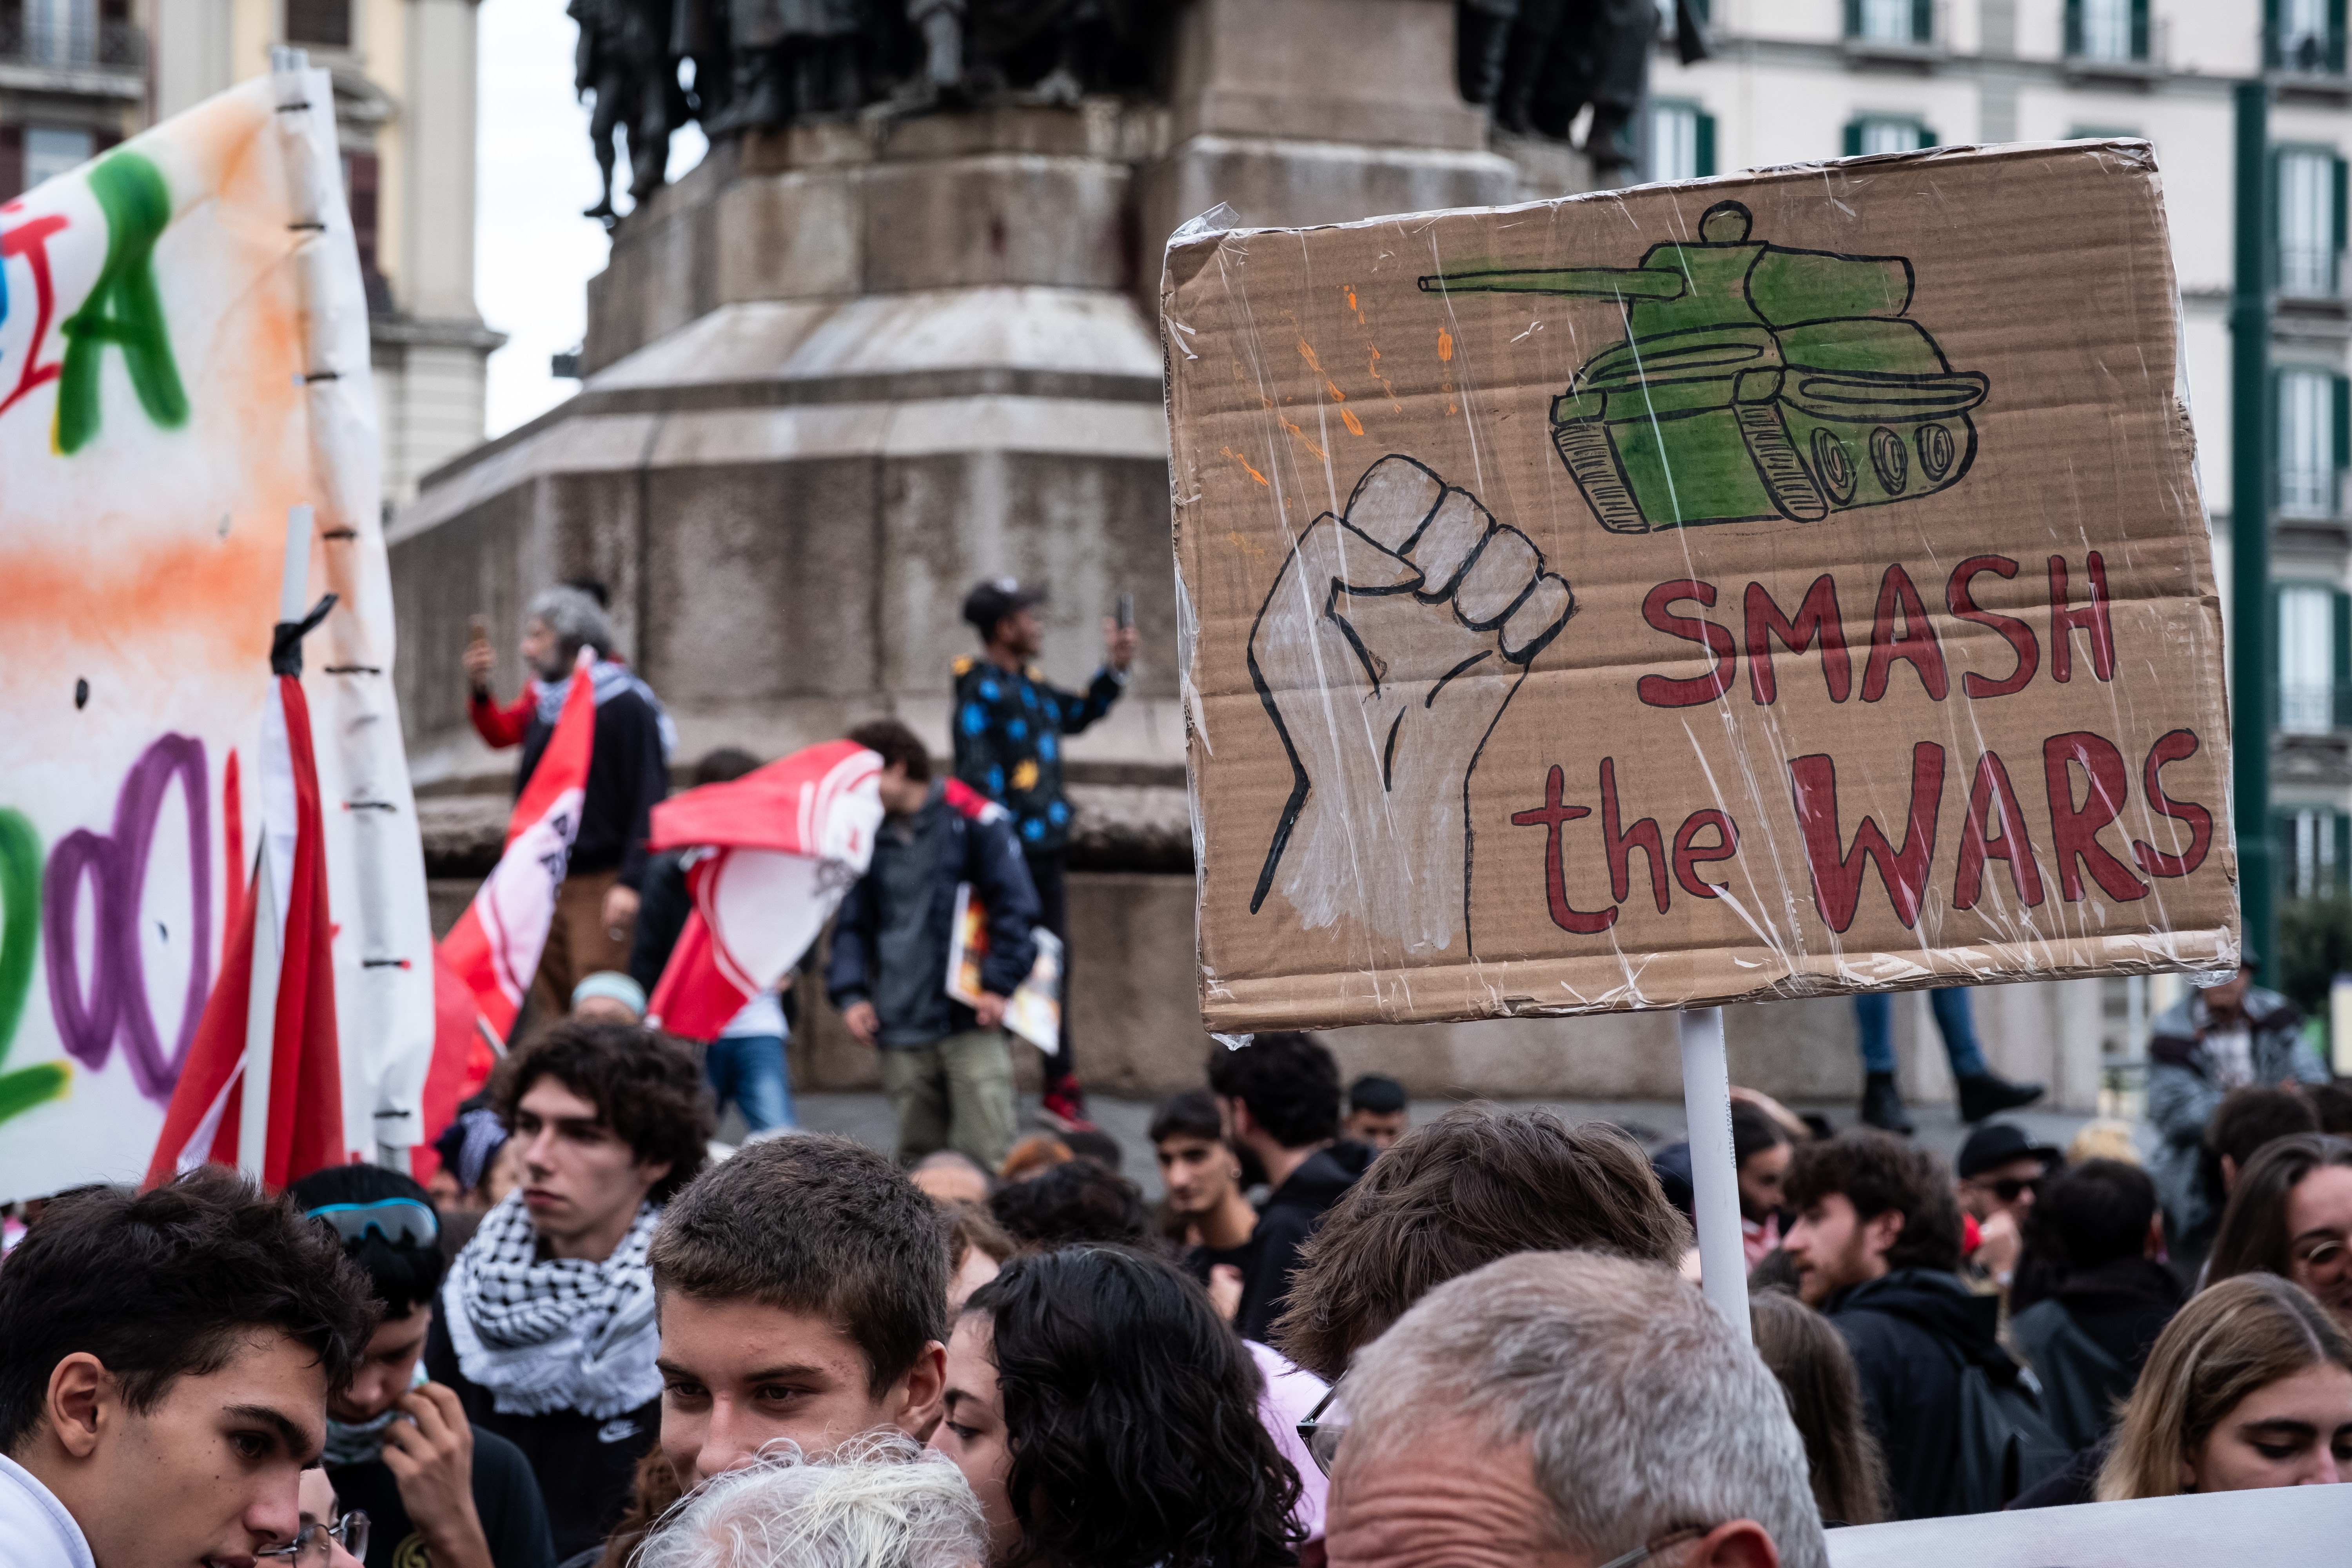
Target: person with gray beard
x,y
1568,1410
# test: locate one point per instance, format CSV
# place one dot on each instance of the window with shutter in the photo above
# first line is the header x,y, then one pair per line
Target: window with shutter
x,y
1886,133
2103,30
1887,21
326,23
1673,141
2342,663
1706,146
2306,449
2307,658
2300,34
2307,220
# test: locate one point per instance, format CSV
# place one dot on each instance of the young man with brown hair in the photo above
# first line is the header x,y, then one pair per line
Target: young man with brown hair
x,y
1456,1193
946,1066
1205,1209
165,1363
546,1327
802,1287
1876,1243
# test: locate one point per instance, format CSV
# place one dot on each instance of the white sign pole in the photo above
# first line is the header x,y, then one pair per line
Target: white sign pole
x,y
1715,1177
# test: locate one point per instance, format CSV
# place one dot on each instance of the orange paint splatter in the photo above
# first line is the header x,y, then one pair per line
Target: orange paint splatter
x,y
1355,425
1444,345
1245,462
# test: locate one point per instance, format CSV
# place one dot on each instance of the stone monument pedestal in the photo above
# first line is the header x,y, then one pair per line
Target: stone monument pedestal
x,y
845,369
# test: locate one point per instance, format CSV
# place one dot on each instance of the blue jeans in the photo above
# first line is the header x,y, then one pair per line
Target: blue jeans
x,y
750,1071
1874,1011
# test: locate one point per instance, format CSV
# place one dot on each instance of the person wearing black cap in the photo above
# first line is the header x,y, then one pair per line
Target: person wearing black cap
x,y
2001,1171
1009,724
399,1449
2200,1048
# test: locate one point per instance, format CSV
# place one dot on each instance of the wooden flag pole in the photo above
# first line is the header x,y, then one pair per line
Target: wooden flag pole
x,y
1714,1177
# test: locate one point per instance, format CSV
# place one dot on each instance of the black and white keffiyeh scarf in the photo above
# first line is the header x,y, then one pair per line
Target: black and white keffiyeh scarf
x,y
546,1334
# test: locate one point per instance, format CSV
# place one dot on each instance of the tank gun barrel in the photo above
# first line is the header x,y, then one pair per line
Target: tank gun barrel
x,y
1576,283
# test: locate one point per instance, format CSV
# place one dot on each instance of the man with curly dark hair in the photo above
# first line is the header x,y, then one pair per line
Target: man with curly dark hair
x,y
1106,1417
1877,1244
165,1363
546,1327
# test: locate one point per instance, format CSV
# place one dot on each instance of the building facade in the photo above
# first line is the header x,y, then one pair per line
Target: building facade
x,y
1795,81
77,76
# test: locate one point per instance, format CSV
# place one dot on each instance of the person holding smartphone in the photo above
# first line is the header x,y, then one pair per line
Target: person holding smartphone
x,y
1009,723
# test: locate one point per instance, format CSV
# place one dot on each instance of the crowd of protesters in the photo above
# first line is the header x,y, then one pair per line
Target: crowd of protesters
x,y
1483,1338
600,1339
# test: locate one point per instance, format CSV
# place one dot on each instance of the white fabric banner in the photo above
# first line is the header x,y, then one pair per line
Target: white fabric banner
x,y
183,363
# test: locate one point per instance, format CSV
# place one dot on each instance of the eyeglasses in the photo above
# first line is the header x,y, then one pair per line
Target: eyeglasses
x,y
1321,1434
317,1542
404,1222
1644,1552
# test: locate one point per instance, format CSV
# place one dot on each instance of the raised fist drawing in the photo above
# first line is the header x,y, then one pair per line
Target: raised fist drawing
x,y
1385,653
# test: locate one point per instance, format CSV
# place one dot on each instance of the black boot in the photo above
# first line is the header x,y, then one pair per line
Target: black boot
x,y
1988,1094
1882,1107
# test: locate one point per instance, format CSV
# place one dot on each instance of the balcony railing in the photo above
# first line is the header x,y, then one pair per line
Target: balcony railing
x,y
2315,709
72,39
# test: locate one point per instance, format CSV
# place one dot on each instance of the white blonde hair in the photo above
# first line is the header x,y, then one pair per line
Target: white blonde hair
x,y
877,1502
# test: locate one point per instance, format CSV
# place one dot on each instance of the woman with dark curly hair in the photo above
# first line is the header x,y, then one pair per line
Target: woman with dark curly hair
x,y
1107,1418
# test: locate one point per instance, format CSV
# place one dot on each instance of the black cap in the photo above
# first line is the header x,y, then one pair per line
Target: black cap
x,y
993,598
1995,1144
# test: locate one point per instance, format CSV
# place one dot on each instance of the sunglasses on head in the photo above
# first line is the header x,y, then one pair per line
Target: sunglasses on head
x,y
404,1222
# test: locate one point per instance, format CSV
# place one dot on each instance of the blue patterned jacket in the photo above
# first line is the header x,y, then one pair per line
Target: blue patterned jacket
x,y
1008,743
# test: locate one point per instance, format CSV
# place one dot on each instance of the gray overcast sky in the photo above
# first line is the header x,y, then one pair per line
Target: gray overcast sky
x,y
533,253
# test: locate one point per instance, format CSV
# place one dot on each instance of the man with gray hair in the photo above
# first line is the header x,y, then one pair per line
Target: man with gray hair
x,y
628,770
877,1502
1568,1410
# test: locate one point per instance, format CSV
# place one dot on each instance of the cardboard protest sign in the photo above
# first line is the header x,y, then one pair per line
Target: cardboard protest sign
x,y
183,361
1769,586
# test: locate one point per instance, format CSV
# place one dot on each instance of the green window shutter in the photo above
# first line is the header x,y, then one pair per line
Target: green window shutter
x,y
1927,138
2342,412
2278,217
1704,161
2336,37
2074,26
1854,17
2337,235
2270,30
1854,138
2342,667
2338,879
2278,450
2139,29
1923,21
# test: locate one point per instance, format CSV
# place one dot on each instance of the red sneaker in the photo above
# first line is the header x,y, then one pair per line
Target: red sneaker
x,y
1064,1104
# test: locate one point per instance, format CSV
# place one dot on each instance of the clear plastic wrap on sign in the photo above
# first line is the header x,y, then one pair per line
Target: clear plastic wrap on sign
x,y
1765,586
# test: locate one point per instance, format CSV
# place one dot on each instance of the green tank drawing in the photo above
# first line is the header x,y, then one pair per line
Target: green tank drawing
x,y
1755,382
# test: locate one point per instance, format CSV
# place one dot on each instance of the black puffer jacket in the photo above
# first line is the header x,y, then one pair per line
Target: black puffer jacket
x,y
1904,1329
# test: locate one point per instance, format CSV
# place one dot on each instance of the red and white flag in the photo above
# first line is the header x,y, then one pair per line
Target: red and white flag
x,y
494,948
262,1089
775,850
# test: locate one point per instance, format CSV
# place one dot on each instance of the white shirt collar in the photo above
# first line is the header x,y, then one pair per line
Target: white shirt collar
x,y
36,1530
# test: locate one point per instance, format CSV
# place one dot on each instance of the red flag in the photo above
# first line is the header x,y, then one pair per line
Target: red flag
x,y
494,948
283,1048
780,845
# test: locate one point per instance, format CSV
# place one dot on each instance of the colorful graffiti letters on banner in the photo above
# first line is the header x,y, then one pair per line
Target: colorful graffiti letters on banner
x,y
110,1002
20,939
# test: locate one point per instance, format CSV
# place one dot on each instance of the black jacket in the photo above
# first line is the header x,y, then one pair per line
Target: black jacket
x,y
506,1500
586,1467
626,775
2087,1340
1903,1329
1289,1217
979,850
